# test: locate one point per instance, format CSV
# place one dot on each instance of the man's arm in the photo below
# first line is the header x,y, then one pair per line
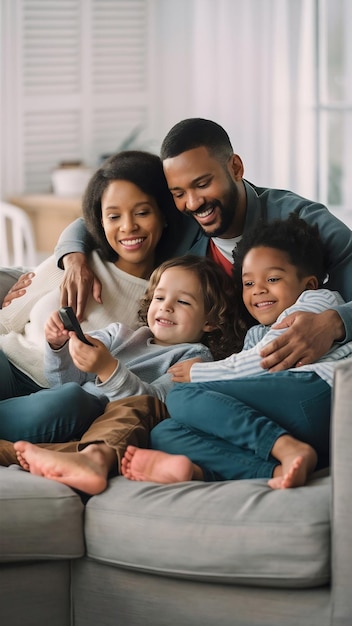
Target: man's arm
x,y
75,244
345,314
71,253
248,362
75,238
308,337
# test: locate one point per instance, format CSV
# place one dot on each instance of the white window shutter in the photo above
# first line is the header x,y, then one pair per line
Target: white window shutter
x,y
119,73
83,82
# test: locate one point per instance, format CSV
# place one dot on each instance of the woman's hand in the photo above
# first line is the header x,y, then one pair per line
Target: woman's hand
x,y
18,289
78,283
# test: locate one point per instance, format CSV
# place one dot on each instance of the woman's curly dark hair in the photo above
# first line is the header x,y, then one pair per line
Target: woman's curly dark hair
x,y
218,293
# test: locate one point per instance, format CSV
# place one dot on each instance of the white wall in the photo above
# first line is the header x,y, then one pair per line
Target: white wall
x,y
249,65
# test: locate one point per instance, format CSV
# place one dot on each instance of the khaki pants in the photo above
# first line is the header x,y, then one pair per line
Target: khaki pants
x,y
124,422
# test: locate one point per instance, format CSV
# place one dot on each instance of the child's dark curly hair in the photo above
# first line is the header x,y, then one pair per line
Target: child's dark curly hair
x,y
294,236
218,293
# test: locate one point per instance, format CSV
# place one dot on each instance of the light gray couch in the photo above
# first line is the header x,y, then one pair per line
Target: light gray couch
x,y
220,554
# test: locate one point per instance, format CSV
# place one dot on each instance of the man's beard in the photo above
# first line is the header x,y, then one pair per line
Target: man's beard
x,y
228,210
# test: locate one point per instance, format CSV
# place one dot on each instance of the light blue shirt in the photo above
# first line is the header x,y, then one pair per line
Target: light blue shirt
x,y
142,365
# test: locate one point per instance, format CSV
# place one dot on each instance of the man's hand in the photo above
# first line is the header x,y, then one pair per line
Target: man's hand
x,y
18,289
308,338
79,281
181,371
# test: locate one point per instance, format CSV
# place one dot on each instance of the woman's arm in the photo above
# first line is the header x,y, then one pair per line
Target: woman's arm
x,y
16,316
13,284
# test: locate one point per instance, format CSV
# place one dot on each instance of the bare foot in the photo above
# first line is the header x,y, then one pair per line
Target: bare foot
x,y
296,475
298,461
155,466
86,470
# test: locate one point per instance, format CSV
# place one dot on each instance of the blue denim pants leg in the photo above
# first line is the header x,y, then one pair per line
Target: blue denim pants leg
x,y
13,381
50,415
219,459
250,413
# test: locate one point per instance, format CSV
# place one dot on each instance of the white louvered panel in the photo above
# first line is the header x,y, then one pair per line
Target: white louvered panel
x,y
119,128
84,84
51,46
119,45
49,138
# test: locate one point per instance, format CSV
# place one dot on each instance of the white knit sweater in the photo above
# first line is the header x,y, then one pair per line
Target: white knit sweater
x,y
22,323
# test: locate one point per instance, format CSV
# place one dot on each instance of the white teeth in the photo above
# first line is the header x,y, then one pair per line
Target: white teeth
x,y
205,213
259,304
162,321
131,242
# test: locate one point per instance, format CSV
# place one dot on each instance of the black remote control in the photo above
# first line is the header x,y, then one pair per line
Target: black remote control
x,y
71,322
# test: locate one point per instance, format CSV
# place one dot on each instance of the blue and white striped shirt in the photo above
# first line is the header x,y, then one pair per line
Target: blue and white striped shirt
x,y
247,362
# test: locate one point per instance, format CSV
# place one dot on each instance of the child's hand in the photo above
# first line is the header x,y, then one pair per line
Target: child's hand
x,y
95,359
55,333
181,371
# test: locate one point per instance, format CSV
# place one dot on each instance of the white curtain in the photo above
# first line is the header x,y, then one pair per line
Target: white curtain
x,y
249,66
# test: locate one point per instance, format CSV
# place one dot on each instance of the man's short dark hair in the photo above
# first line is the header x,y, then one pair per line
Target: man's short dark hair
x,y
196,132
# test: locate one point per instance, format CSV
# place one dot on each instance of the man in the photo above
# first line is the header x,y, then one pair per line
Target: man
x,y
205,178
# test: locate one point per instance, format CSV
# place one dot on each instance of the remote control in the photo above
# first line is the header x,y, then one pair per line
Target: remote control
x,y
71,322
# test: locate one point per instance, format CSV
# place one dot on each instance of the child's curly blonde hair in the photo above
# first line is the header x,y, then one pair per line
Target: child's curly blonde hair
x,y
219,302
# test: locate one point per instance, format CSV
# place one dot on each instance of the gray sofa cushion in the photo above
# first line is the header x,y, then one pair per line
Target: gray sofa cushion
x,y
232,532
39,518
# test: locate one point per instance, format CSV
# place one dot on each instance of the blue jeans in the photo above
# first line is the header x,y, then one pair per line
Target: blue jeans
x,y
27,411
229,427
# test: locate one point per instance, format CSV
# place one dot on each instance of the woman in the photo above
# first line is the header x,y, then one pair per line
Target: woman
x,y
127,206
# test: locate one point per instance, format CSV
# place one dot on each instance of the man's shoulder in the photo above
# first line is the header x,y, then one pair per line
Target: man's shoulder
x,y
283,201
182,236
268,204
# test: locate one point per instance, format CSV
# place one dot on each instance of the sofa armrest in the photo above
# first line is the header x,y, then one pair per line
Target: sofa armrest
x,y
341,516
